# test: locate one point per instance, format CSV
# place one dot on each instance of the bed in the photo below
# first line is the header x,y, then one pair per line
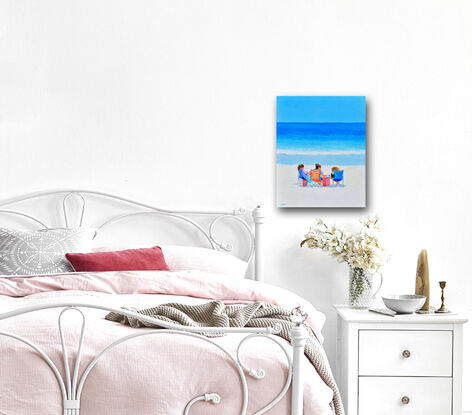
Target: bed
x,y
58,354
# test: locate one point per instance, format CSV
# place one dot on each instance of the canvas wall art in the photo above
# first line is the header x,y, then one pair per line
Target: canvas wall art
x,y
321,151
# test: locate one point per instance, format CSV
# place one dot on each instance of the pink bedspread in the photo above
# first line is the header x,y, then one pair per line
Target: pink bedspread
x,y
150,375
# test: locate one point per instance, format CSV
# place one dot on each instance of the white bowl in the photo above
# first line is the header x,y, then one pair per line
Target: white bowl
x,y
404,304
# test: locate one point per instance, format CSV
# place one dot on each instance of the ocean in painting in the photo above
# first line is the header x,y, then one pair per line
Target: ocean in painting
x,y
332,143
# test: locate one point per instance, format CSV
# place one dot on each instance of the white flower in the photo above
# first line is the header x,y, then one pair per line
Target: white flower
x,y
362,249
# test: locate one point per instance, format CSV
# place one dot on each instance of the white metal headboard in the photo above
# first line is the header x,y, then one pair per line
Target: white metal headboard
x,y
186,217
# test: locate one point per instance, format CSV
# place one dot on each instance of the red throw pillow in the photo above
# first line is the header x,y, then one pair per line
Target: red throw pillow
x,y
142,259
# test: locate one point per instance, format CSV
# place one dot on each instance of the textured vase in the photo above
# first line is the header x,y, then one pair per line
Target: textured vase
x,y
361,293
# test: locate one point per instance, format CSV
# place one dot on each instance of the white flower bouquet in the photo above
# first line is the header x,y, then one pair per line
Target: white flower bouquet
x,y
360,250
363,252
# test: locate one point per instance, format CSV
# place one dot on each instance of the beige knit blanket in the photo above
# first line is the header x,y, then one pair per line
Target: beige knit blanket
x,y
258,314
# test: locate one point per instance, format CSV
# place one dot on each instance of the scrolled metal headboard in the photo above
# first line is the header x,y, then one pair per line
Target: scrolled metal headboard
x,y
139,209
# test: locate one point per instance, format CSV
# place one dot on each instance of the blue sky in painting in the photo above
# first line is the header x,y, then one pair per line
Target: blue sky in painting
x,y
342,109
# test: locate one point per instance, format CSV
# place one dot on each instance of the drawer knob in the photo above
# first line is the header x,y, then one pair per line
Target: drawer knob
x,y
405,400
406,354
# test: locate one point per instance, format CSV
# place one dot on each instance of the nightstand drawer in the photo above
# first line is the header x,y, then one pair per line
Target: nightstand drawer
x,y
405,396
405,353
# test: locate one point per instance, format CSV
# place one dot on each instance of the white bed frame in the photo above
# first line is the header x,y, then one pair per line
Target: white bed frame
x,y
71,387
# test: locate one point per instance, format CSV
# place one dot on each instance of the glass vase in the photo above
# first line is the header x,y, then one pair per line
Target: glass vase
x,y
361,293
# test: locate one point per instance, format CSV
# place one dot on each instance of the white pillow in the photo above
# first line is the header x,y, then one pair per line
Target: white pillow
x,y
182,258
203,259
41,252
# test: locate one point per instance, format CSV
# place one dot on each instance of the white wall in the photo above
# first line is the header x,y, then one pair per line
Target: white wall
x,y
175,100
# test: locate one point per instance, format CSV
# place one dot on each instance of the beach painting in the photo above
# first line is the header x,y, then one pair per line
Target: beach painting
x,y
321,151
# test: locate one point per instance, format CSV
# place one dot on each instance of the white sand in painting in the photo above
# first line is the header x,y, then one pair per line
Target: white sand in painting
x,y
289,194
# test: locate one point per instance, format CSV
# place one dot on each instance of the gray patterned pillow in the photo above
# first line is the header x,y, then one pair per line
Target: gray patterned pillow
x,y
41,252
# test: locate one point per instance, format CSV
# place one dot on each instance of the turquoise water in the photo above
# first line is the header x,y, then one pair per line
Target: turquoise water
x,y
331,144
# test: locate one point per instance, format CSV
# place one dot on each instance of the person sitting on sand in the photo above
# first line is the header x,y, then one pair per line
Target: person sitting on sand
x,y
301,171
316,174
318,168
337,175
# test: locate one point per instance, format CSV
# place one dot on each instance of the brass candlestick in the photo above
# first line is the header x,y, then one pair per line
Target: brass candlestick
x,y
442,309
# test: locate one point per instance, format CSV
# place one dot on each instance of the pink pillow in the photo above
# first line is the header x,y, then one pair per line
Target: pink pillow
x,y
128,260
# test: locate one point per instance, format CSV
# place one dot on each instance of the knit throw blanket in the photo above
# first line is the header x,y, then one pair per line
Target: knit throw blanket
x,y
258,314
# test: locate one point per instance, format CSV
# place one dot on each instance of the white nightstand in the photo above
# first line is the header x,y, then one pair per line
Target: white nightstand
x,y
402,365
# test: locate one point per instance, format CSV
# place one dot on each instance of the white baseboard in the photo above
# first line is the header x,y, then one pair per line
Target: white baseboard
x,y
467,413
